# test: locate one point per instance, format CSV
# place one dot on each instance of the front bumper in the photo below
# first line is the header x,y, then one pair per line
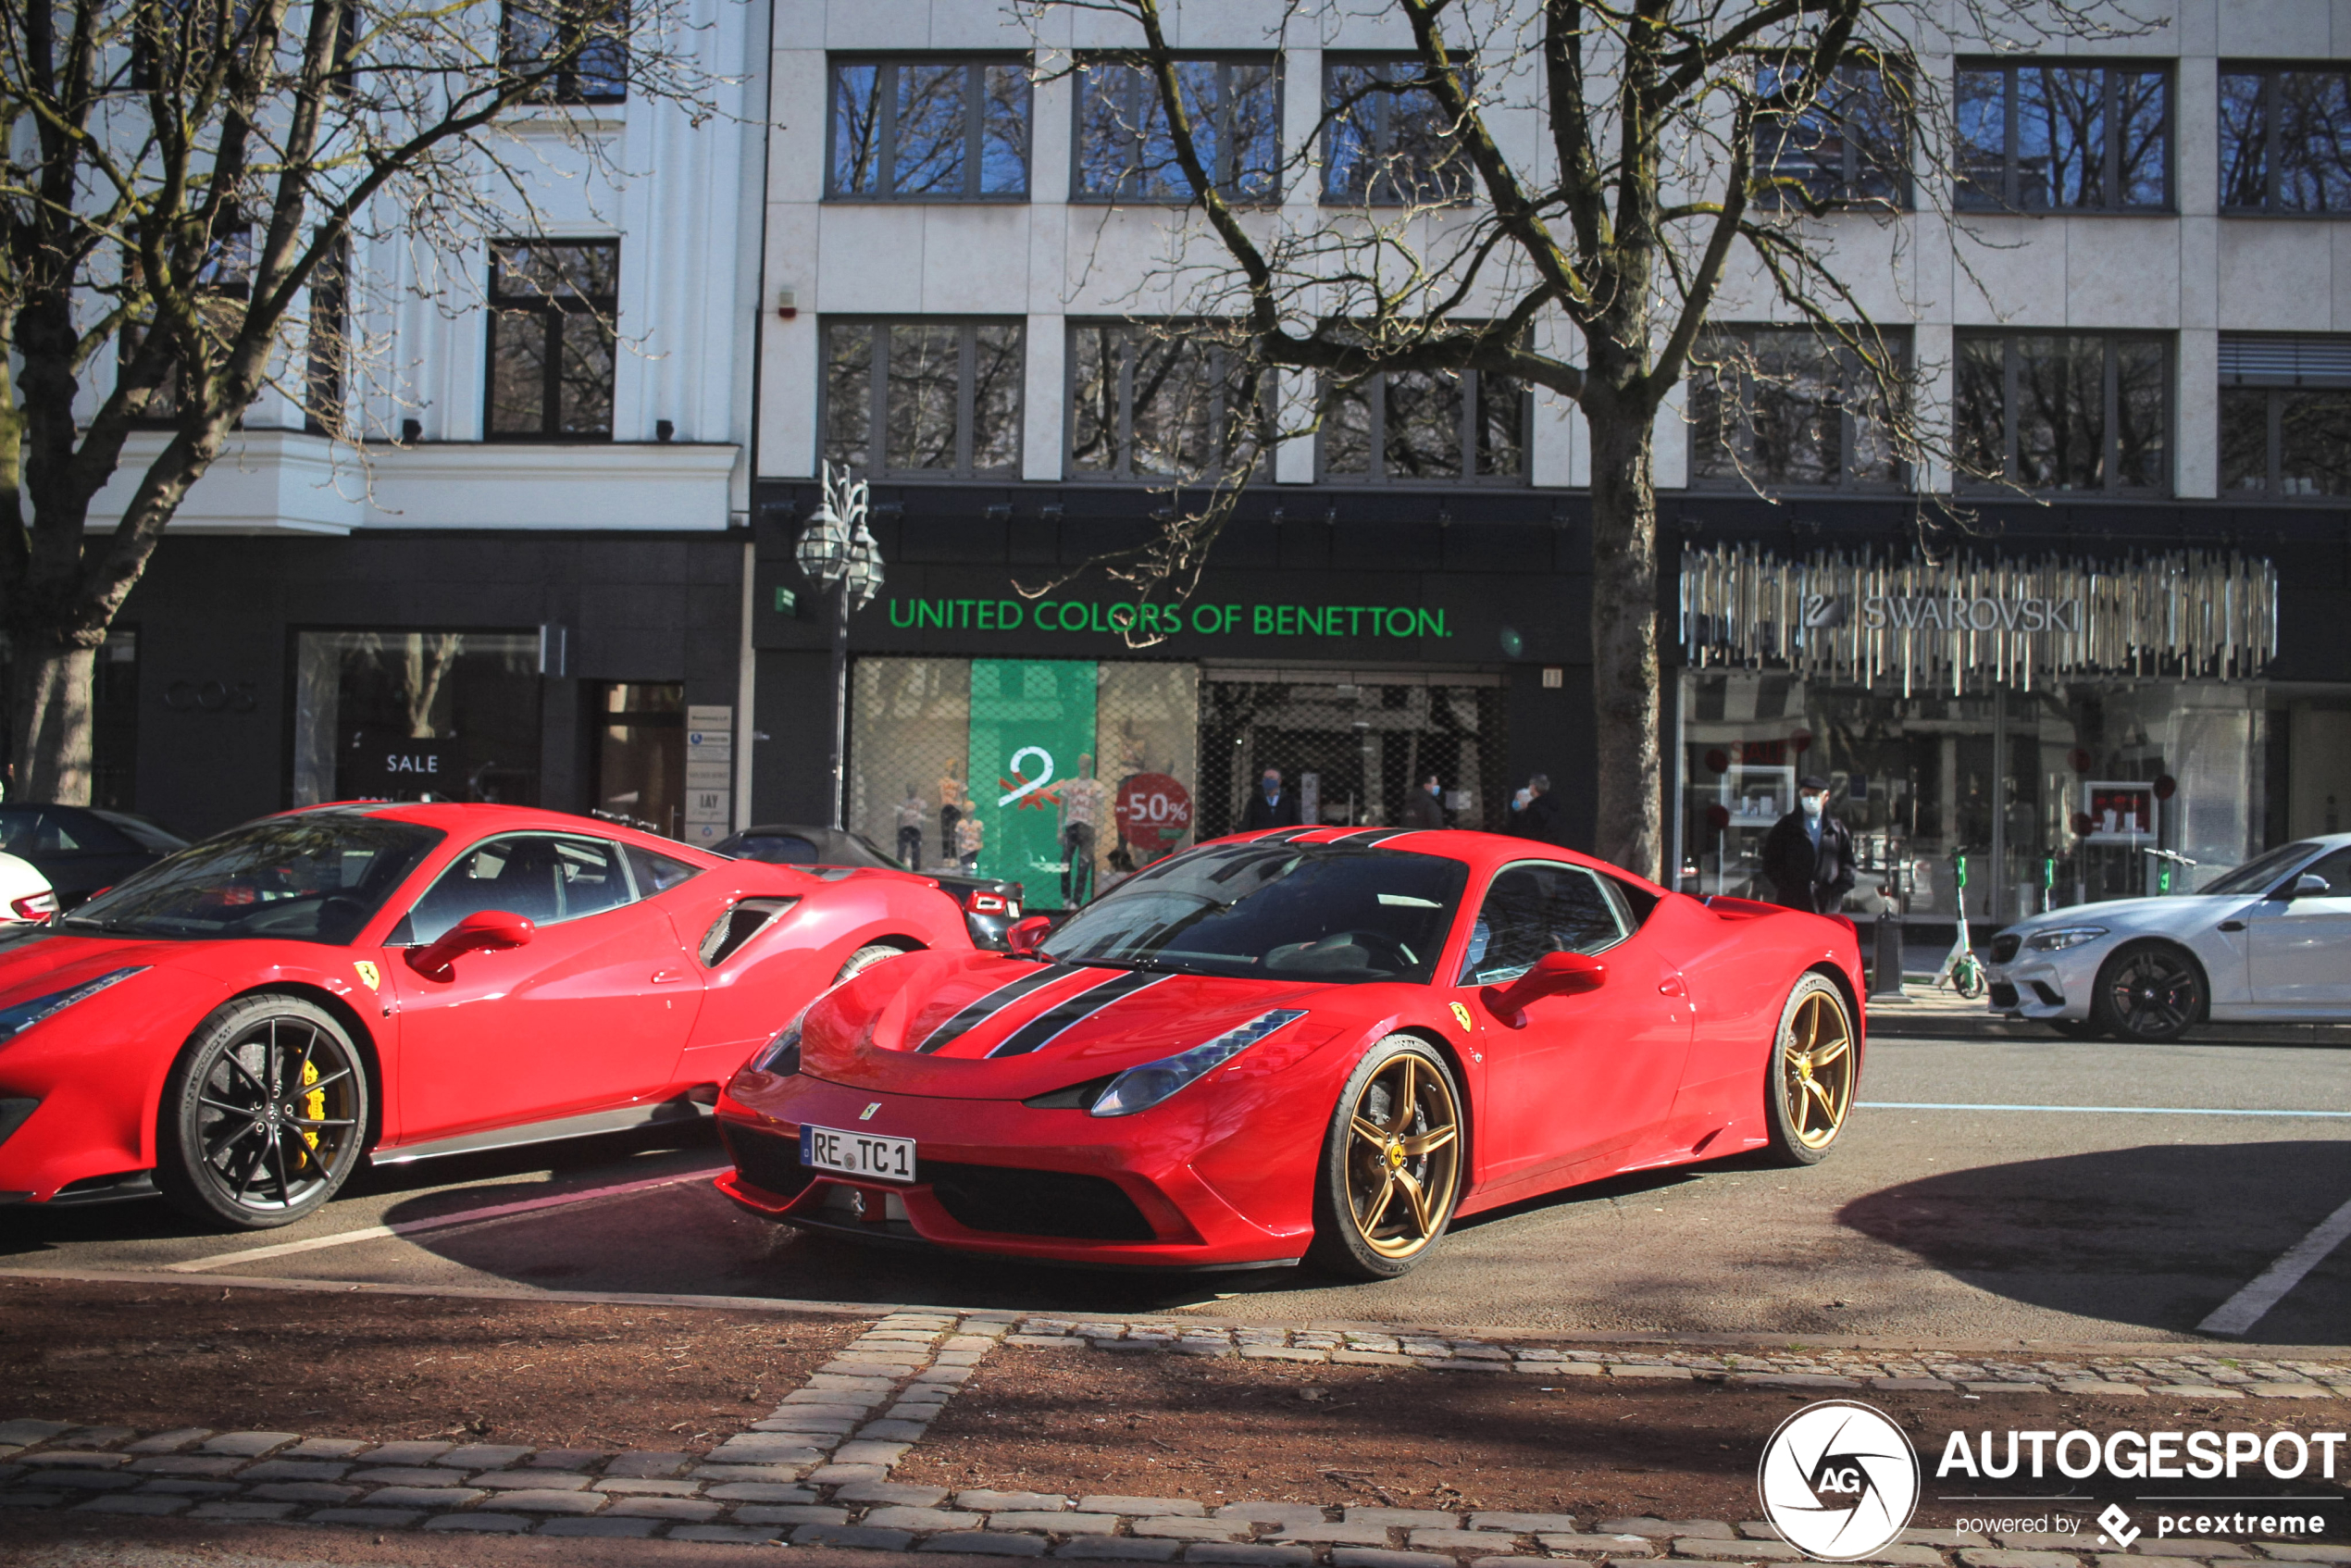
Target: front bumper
x,y
997,1177
2043,986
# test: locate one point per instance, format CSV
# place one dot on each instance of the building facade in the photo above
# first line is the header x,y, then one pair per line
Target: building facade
x,y
942,264
528,586
2144,334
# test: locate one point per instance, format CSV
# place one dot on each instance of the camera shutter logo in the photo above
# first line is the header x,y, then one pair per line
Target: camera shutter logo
x,y
1840,1480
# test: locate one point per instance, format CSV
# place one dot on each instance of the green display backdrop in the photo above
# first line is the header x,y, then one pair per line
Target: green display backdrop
x,y
1031,720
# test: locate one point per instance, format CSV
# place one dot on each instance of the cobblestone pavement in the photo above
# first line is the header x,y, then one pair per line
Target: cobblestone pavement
x,y
816,1471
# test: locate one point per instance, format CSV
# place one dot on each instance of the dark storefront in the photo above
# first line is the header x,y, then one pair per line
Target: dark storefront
x,y
251,673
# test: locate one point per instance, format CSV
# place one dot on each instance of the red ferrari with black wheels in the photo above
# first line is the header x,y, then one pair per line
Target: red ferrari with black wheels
x,y
1305,1043
239,1023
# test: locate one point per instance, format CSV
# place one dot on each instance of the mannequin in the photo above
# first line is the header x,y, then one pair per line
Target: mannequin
x,y
1082,800
911,812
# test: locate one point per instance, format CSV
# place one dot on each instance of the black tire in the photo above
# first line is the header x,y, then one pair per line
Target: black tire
x,y
2077,1028
2150,992
264,1117
864,958
1403,1090
1813,1072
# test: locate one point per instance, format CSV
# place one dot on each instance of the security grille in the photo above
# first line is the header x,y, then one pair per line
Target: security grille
x,y
1352,744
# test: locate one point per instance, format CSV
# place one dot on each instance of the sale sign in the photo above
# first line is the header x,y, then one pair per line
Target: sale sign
x,y
1153,812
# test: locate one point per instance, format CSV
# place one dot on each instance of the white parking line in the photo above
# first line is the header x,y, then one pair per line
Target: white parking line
x,y
437,1222
2091,1110
2245,1309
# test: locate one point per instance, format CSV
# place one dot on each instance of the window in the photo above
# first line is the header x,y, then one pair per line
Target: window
x,y
1438,425
929,130
939,398
1849,146
582,46
2044,138
2286,417
1534,910
330,344
657,873
2071,411
224,281
1777,406
543,877
552,359
2286,140
1126,152
1385,139
1149,404
405,715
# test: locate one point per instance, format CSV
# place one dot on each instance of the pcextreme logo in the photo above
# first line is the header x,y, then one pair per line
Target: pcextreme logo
x,y
1840,1480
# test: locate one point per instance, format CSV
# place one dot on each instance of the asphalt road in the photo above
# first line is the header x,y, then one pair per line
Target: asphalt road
x,y
2064,1225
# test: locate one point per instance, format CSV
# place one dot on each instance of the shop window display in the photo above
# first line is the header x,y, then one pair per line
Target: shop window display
x,y
450,715
1064,775
2053,796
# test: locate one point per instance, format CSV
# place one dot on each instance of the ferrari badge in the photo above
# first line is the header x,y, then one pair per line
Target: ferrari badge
x,y
371,974
1463,1014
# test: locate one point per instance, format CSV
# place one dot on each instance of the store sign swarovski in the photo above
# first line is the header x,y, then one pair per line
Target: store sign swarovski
x,y
1856,616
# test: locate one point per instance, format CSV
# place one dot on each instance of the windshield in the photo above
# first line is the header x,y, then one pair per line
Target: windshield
x,y
2256,874
316,878
1311,912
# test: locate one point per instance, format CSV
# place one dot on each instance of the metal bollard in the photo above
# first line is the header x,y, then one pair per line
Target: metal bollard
x,y
1886,964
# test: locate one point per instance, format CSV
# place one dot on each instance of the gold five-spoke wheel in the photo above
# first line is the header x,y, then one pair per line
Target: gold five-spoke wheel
x,y
1403,1157
1813,1069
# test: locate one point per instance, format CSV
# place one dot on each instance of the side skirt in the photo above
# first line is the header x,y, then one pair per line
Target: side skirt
x,y
628,1118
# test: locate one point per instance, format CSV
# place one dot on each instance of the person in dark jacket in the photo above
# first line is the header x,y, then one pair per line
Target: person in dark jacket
x,y
1272,806
1425,807
1808,853
1534,814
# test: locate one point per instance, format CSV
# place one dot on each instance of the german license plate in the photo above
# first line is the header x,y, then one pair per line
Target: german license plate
x,y
858,1154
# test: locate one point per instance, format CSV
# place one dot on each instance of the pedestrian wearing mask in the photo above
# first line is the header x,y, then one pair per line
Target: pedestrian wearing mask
x,y
1272,806
1534,814
1807,856
1424,808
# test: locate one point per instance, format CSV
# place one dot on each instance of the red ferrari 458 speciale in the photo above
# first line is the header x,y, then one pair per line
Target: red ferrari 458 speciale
x,y
1319,1043
238,1024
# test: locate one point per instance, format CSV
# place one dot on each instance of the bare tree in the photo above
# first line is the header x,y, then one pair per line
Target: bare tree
x,y
183,184
1663,152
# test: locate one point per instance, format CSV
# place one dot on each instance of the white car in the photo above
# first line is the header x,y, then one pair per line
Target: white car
x,y
25,895
2268,942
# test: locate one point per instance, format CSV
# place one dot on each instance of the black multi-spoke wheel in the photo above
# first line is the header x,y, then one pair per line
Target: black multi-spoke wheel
x,y
864,958
264,1114
2148,991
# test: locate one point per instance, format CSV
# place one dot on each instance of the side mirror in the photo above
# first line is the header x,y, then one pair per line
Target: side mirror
x,y
2309,886
484,929
1555,974
1023,937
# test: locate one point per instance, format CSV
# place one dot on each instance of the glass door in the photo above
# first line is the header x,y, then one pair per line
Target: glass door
x,y
640,754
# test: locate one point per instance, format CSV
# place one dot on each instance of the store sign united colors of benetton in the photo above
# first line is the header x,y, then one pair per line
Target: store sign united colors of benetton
x,y
1855,615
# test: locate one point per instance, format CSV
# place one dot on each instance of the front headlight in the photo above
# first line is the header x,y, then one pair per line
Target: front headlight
x,y
2059,938
1139,1088
780,1055
16,1020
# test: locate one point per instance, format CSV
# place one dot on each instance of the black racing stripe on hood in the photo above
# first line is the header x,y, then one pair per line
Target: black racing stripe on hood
x,y
1041,1031
995,1002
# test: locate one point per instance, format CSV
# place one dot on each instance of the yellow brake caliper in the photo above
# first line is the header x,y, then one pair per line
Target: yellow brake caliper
x,y
314,1104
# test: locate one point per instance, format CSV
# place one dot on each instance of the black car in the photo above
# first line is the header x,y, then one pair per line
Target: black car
x,y
990,903
83,849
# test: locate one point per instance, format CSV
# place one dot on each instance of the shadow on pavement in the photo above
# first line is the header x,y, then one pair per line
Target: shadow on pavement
x,y
2154,1236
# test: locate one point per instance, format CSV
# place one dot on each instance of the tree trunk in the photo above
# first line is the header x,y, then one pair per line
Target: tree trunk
x,y
50,720
1628,707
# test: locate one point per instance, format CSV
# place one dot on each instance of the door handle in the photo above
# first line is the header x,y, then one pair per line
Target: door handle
x,y
1672,987
2232,924
671,977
